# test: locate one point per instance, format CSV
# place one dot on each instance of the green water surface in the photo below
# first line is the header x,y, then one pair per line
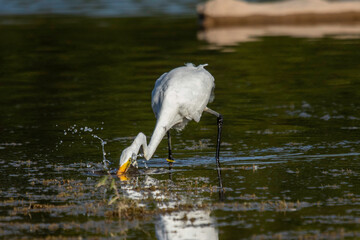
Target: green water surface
x,y
290,150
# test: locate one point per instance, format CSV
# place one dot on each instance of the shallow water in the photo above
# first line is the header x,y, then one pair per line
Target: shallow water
x,y
290,149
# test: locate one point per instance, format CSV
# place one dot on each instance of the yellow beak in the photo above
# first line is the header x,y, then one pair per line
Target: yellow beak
x,y
124,167
123,178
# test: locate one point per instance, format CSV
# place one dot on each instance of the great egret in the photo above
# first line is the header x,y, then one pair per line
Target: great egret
x,y
179,96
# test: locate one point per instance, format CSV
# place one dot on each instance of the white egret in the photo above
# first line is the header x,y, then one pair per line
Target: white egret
x,y
179,96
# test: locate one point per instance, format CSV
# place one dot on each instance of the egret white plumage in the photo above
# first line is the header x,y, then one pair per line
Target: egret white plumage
x,y
179,96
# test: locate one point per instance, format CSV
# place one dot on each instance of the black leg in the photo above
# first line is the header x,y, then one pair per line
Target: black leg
x,y
169,147
220,121
170,157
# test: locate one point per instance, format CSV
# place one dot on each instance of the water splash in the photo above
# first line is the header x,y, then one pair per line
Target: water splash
x,y
105,161
78,131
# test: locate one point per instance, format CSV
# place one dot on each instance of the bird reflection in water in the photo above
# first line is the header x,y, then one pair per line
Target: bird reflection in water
x,y
192,224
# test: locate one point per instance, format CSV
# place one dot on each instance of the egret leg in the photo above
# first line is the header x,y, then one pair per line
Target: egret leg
x,y
220,121
170,157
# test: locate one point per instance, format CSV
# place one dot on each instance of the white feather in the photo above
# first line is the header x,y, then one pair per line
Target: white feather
x,y
182,94
179,96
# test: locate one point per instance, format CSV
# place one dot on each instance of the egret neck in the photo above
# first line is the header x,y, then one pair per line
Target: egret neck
x,y
148,150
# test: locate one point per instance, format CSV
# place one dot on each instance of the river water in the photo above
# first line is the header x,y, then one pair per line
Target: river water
x,y
290,150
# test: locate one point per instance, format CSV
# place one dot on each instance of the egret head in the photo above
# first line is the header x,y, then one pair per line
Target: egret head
x,y
128,156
